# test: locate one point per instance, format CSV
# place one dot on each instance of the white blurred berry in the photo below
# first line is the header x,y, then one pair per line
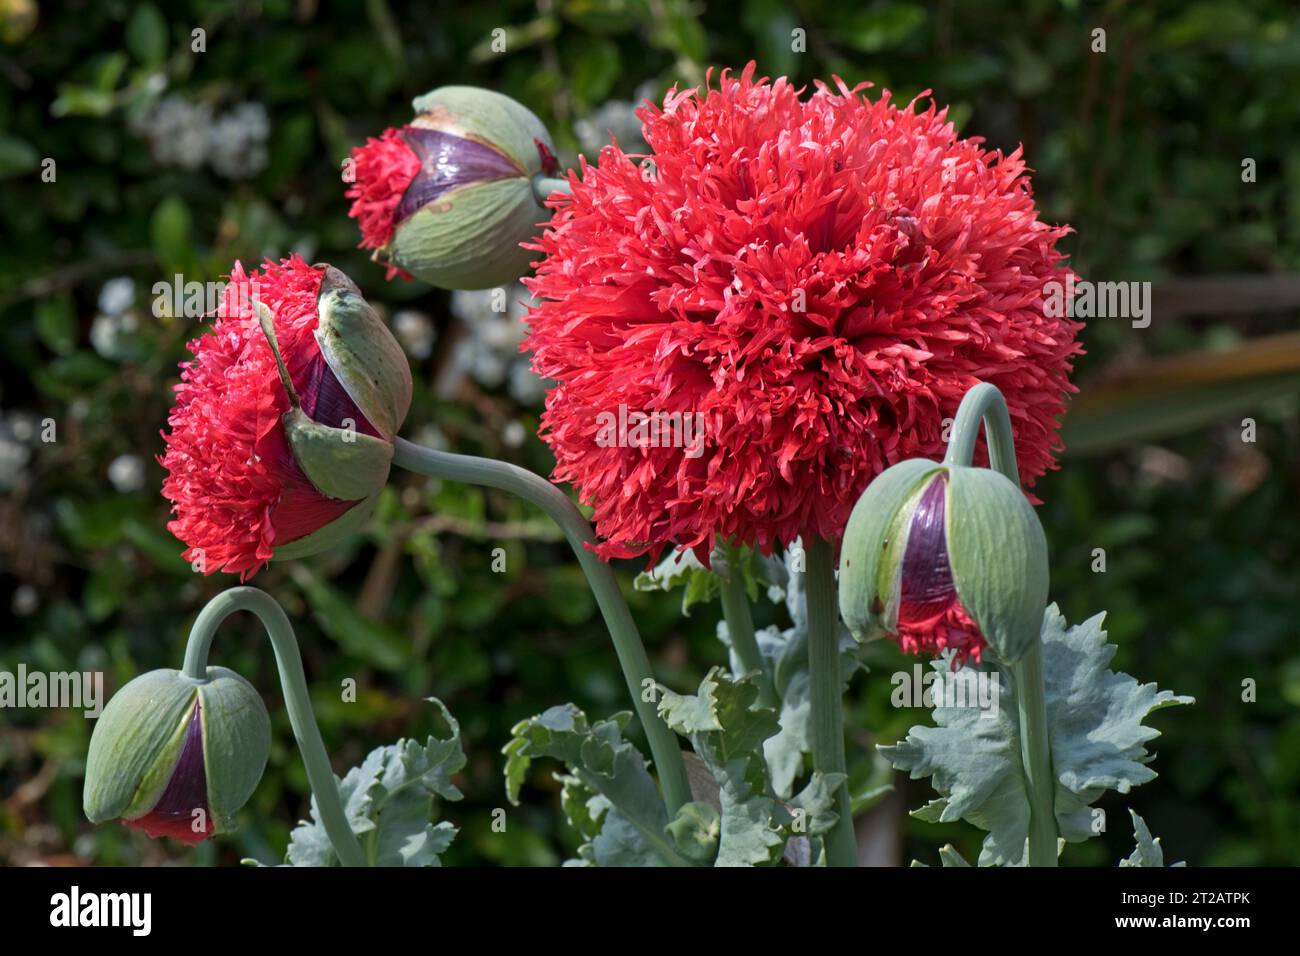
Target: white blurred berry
x,y
415,331
117,295
126,474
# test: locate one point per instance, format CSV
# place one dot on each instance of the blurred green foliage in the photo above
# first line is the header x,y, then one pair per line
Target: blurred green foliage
x,y
1139,148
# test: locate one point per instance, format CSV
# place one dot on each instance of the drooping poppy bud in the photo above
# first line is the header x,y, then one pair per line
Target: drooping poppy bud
x,y
449,197
177,757
284,425
944,557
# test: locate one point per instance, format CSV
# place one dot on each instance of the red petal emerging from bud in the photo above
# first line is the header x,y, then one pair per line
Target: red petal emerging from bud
x,y
236,489
382,169
187,791
930,615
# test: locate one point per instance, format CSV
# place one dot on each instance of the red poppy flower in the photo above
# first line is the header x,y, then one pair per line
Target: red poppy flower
x,y
820,279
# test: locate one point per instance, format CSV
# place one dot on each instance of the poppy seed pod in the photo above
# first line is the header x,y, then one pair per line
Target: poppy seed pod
x,y
449,197
177,757
285,421
944,557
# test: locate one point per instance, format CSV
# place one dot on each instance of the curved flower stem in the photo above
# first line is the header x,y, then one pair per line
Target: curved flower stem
x,y
984,403
543,186
622,629
740,624
324,786
824,674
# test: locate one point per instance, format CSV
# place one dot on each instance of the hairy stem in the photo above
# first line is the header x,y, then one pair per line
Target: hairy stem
x,y
827,715
324,786
622,628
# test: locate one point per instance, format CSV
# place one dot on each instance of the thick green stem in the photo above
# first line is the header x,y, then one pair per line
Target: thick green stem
x,y
827,713
740,624
324,785
984,403
1036,755
622,628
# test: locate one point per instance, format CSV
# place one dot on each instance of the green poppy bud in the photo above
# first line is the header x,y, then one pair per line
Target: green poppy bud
x,y
944,557
450,197
177,757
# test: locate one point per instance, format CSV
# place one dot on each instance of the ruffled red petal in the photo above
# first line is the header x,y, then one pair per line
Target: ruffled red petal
x,y
822,278
951,629
382,170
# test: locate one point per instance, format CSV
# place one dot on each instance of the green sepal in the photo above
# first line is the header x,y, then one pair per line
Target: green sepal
x,y
469,237
488,117
236,742
135,745
865,551
340,463
998,554
363,354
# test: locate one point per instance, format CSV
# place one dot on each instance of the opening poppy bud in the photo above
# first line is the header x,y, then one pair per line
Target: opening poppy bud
x,y
285,421
449,197
177,757
944,557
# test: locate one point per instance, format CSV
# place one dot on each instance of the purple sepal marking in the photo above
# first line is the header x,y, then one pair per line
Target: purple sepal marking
x,y
927,586
326,402
187,790
448,161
